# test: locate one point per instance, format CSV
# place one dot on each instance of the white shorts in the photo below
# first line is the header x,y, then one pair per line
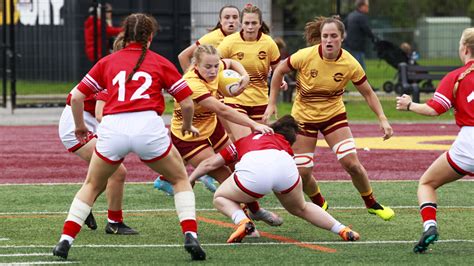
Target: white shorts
x,y
66,129
461,154
261,172
143,133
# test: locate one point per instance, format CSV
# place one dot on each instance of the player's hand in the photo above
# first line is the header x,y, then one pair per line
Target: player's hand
x,y
82,134
264,129
386,129
192,130
284,85
403,102
271,110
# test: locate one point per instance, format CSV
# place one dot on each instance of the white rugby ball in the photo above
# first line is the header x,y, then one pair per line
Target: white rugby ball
x,y
228,83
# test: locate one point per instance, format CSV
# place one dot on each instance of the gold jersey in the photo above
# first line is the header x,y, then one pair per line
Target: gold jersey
x,y
204,120
256,57
320,83
213,38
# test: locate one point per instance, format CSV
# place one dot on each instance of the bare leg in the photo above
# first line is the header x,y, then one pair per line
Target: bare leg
x,y
438,174
295,204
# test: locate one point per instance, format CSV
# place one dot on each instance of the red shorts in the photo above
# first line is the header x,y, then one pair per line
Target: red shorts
x,y
326,127
188,149
254,112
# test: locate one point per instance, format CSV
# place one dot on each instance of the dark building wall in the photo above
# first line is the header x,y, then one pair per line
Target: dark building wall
x,y
52,45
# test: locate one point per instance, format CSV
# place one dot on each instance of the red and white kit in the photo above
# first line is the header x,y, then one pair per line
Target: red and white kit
x,y
265,164
461,153
137,103
66,122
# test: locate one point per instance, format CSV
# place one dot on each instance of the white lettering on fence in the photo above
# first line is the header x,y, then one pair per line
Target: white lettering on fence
x,y
38,12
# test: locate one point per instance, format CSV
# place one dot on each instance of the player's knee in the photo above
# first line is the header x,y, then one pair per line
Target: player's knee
x,y
344,148
353,168
296,211
120,174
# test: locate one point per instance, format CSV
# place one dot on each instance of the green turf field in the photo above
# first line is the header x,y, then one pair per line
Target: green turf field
x,y
31,219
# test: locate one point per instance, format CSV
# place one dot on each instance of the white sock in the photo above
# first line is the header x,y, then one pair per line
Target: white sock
x,y
337,227
238,216
185,205
428,224
68,238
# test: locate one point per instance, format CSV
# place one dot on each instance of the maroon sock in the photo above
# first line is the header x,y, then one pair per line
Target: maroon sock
x,y
318,199
369,200
253,206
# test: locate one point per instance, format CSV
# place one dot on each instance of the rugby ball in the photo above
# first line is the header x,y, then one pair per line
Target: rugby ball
x,y
228,83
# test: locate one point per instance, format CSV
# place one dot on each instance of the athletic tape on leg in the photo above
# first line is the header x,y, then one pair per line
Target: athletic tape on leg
x,y
304,159
185,205
343,148
78,212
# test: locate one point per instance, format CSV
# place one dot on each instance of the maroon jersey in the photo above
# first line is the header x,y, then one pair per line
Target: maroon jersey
x,y
143,91
463,101
255,142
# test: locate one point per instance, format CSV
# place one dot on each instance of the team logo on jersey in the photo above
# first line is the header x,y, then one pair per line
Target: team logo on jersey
x,y
338,77
240,55
313,73
262,55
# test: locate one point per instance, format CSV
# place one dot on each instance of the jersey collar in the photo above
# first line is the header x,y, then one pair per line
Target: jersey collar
x,y
259,35
320,52
199,76
134,46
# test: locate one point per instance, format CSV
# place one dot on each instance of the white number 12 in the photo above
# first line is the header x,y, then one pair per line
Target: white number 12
x,y
139,93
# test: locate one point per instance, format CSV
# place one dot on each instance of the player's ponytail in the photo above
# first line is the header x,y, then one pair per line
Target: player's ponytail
x,y
139,28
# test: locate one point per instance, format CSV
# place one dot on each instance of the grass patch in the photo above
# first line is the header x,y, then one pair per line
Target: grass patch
x,y
22,222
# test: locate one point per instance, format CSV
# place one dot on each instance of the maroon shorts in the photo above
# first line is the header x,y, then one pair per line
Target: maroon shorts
x,y
188,149
254,112
326,127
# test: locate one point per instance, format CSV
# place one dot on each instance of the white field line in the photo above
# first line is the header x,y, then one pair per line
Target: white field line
x,y
384,242
4,239
214,210
42,262
150,183
25,255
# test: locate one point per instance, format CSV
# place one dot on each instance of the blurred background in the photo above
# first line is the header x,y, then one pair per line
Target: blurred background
x,y
43,48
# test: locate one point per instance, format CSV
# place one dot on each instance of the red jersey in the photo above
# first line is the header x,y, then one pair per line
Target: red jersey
x,y
255,142
143,91
90,101
89,36
443,99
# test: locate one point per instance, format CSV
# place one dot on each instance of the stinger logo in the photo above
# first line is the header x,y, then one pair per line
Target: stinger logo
x,y
240,55
338,77
262,55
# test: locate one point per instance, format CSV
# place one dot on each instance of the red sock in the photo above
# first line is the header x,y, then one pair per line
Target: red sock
x,y
71,229
318,199
115,216
253,206
428,211
188,226
369,199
